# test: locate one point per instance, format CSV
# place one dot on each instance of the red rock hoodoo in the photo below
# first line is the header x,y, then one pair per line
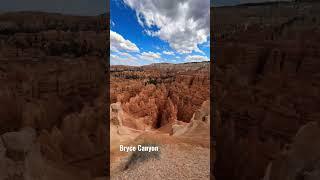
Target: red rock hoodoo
x,y
52,78
266,83
159,94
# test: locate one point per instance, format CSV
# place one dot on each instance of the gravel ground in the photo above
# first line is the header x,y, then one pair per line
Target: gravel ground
x,y
176,162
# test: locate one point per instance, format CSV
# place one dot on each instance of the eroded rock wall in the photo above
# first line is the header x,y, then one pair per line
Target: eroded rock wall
x,y
266,83
53,82
159,94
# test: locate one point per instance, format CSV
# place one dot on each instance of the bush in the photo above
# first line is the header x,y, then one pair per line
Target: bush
x,y
141,156
151,81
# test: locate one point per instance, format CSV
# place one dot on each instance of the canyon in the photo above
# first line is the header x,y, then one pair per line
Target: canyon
x,y
266,90
165,106
265,97
52,96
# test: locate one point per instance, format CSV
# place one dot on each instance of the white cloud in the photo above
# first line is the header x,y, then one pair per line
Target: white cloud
x,y
124,54
184,24
127,55
120,60
149,32
150,56
207,44
168,52
112,23
200,51
196,58
118,43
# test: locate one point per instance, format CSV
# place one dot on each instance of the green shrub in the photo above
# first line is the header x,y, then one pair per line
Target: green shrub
x,y
141,156
151,81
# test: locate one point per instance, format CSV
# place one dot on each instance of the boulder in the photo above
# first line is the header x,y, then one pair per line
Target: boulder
x,y
21,141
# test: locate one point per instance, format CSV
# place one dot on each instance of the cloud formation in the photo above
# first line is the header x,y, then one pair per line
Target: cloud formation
x,y
150,56
118,43
196,58
184,24
168,52
121,50
121,59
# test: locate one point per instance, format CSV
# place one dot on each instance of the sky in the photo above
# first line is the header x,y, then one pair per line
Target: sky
x,y
159,31
74,7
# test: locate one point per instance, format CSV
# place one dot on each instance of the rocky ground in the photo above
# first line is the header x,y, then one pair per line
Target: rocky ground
x,y
52,96
176,162
166,105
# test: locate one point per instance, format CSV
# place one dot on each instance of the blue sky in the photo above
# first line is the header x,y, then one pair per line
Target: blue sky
x,y
151,31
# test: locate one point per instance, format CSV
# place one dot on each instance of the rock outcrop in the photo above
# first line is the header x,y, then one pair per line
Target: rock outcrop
x,y
265,82
199,125
116,114
52,96
20,155
160,104
301,159
160,94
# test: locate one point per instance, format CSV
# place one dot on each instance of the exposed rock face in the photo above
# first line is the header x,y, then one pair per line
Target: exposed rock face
x,y
19,141
116,114
301,159
21,157
266,83
166,105
118,132
147,104
202,114
18,151
199,124
160,94
169,114
52,96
